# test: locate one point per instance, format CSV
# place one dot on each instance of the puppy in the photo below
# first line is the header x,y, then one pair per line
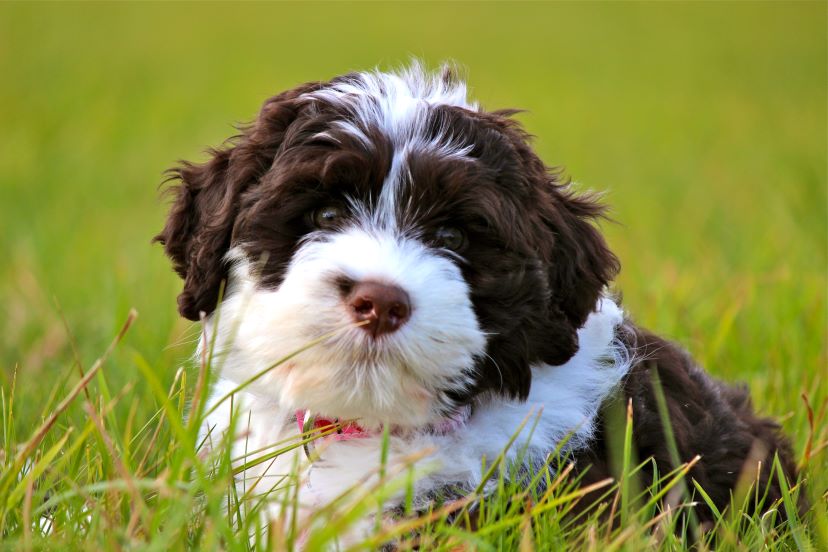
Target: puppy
x,y
443,286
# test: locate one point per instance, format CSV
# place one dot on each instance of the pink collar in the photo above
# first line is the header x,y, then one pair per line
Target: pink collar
x,y
344,431
351,430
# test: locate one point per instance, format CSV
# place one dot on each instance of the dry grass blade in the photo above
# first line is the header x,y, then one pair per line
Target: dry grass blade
x,y
809,443
160,423
412,525
43,430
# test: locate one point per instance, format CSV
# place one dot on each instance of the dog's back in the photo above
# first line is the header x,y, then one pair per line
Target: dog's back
x,y
679,411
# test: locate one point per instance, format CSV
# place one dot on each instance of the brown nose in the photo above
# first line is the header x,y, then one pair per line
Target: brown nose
x,y
384,307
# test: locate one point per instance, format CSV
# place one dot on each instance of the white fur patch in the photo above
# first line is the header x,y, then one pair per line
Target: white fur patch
x,y
394,103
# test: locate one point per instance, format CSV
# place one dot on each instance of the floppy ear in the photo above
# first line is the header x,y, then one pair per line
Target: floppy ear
x,y
579,265
579,262
198,231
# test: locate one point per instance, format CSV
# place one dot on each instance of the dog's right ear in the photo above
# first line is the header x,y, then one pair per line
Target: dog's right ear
x,y
206,201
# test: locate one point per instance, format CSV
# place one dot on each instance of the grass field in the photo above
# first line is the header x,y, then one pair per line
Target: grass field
x,y
704,122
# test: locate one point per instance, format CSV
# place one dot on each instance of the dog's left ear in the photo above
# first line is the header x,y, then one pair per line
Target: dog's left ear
x,y
579,262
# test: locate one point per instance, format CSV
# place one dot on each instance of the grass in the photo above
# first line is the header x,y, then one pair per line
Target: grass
x,y
705,122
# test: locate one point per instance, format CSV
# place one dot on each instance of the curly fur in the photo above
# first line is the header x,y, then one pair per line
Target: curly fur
x,y
513,320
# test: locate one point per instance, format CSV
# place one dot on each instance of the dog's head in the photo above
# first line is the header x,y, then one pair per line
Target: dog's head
x,y
391,201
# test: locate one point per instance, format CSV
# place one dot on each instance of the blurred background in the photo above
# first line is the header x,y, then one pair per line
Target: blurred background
x,y
704,122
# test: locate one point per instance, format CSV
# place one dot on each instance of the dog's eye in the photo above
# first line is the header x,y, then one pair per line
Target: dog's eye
x,y
327,217
450,238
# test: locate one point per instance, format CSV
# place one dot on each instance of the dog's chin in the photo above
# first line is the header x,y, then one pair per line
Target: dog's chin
x,y
374,393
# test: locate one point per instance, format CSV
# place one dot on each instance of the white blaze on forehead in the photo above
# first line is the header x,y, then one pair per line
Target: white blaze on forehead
x,y
394,102
387,204
397,104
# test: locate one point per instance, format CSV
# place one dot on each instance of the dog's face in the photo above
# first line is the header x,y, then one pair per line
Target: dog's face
x,y
389,203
